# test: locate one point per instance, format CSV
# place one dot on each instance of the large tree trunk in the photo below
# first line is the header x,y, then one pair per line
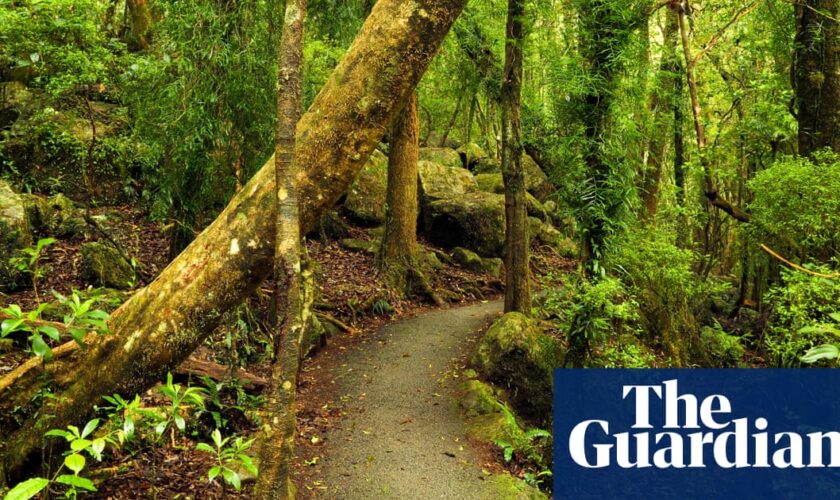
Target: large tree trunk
x,y
163,323
277,436
816,75
397,256
140,25
517,270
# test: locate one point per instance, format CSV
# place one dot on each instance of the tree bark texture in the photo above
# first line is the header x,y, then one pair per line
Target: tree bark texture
x,y
397,260
662,101
140,28
277,433
162,324
517,269
816,75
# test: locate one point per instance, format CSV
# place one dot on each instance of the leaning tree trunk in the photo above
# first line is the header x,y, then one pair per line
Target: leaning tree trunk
x,y
517,270
816,75
162,324
397,259
277,436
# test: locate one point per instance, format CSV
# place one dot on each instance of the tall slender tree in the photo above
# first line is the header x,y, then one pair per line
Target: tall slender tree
x,y
517,269
663,100
278,428
397,258
816,74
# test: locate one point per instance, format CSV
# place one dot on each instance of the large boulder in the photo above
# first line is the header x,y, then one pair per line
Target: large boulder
x,y
104,266
366,198
15,234
493,183
67,220
471,154
437,181
516,354
536,182
471,261
473,220
444,156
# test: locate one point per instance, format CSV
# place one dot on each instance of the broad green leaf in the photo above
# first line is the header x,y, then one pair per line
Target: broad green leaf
x,y
213,472
10,326
76,481
80,444
90,427
205,447
159,428
50,331
14,311
248,464
232,478
27,489
835,316
180,423
40,348
825,351
60,433
75,462
217,438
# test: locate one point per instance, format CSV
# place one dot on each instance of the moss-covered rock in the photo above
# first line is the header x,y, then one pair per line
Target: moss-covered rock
x,y
15,234
511,488
725,350
67,219
487,166
442,156
39,213
490,183
471,261
438,182
365,200
517,355
488,174
494,426
104,266
357,245
478,398
471,154
474,220
536,182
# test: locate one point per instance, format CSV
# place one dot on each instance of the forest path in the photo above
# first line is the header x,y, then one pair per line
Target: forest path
x,y
402,434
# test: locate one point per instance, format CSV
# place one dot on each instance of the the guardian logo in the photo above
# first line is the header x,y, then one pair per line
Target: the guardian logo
x,y
696,434
711,425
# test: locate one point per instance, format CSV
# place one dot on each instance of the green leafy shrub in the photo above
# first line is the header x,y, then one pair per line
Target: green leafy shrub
x,y
626,352
796,208
58,45
799,303
725,350
670,294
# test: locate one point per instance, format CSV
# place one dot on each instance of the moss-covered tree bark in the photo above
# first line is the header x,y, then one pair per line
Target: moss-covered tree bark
x,y
517,268
816,75
397,259
277,433
140,24
163,323
663,100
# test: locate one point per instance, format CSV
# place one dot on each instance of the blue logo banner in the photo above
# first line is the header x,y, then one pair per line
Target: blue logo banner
x,y
665,434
